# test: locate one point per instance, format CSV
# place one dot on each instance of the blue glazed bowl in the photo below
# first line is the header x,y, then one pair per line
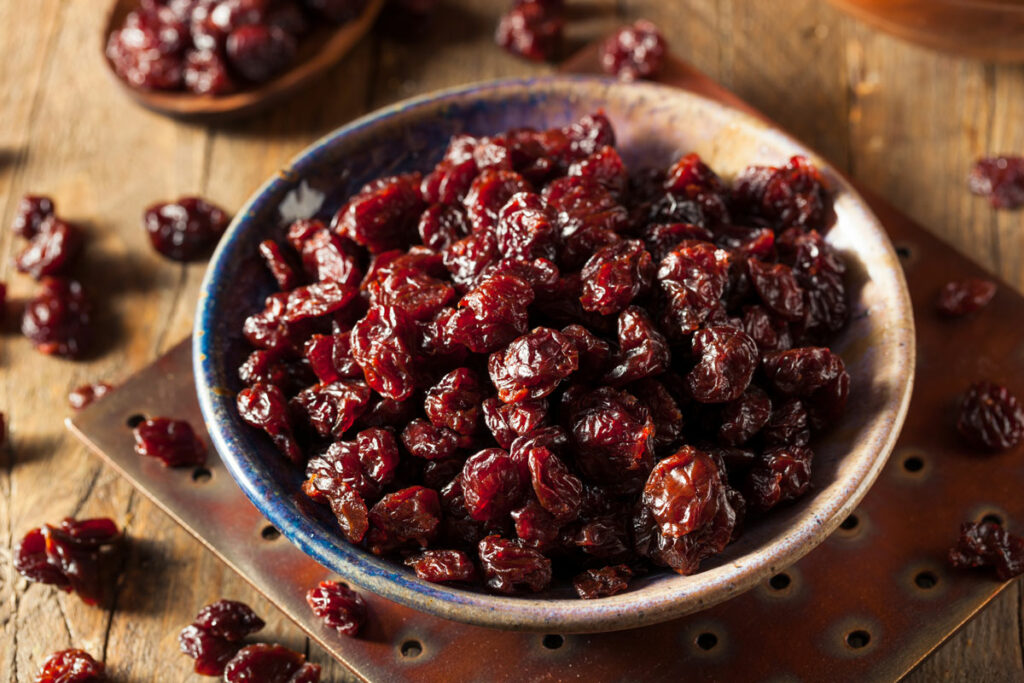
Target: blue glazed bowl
x,y
655,125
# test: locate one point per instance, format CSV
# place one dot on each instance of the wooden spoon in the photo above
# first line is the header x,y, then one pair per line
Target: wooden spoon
x,y
318,51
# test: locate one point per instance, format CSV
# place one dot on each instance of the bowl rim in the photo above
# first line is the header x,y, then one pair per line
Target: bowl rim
x,y
391,581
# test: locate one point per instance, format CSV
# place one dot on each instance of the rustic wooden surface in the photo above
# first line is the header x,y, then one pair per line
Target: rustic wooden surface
x,y
905,121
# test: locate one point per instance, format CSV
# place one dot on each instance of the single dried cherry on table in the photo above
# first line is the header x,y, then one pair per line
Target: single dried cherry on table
x,y
634,52
532,29
1001,179
340,607
270,664
184,229
58,320
216,635
963,297
991,417
173,442
71,666
82,396
987,544
31,212
76,555
528,362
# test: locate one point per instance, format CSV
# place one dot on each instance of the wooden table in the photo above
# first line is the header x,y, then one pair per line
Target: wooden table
x,y
905,121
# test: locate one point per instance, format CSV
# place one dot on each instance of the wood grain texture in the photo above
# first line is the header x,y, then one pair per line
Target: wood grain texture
x,y
906,121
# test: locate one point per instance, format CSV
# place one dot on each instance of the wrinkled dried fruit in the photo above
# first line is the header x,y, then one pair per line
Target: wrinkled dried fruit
x,y
963,297
634,52
340,607
987,544
442,566
270,664
71,666
508,565
1001,179
533,365
76,555
600,583
58,320
184,229
172,442
991,417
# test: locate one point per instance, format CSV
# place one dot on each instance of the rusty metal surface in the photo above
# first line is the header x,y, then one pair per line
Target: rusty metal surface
x,y
867,604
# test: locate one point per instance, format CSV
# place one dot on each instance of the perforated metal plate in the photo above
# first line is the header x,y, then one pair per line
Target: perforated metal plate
x,y
869,603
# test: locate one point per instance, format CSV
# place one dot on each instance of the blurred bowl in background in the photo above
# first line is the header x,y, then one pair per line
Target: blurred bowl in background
x,y
992,30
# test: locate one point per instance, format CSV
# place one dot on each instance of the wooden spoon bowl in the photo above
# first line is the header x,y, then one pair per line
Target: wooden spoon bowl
x,y
318,51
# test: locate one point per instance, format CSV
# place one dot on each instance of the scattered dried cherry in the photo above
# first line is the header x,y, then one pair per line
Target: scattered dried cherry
x,y
82,396
58,320
73,556
71,666
1001,179
228,619
52,248
532,30
172,442
963,297
270,664
991,417
340,607
634,52
185,229
31,212
987,544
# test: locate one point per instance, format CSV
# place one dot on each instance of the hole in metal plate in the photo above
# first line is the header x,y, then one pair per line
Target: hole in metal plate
x,y
926,580
850,523
858,639
270,533
707,641
553,641
201,475
903,251
993,518
411,648
913,463
135,420
780,581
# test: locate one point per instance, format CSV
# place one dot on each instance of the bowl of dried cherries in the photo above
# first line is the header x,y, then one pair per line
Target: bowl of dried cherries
x,y
561,354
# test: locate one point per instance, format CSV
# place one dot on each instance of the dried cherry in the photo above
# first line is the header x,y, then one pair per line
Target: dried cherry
x,y
340,607
185,229
987,544
991,417
71,666
173,442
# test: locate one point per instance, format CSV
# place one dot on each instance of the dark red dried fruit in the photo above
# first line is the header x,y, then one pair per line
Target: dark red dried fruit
x,y
987,544
533,365
814,373
779,474
58,321
613,436
664,410
71,666
328,256
212,653
643,351
146,51
684,492
382,344
525,229
488,194
557,489
728,358
31,212
340,607
264,406
330,357
1001,179
963,297
441,226
333,408
410,517
508,565
507,421
278,265
531,30
745,416
605,167
172,442
442,566
991,417
693,278
455,401
587,215
228,619
383,214
600,583
76,555
270,664
634,52
615,275
492,314
794,195
206,73
492,484
788,425
82,396
778,288
52,248
429,441
185,229
259,52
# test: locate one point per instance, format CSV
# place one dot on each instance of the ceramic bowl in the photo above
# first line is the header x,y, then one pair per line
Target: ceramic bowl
x,y
655,125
